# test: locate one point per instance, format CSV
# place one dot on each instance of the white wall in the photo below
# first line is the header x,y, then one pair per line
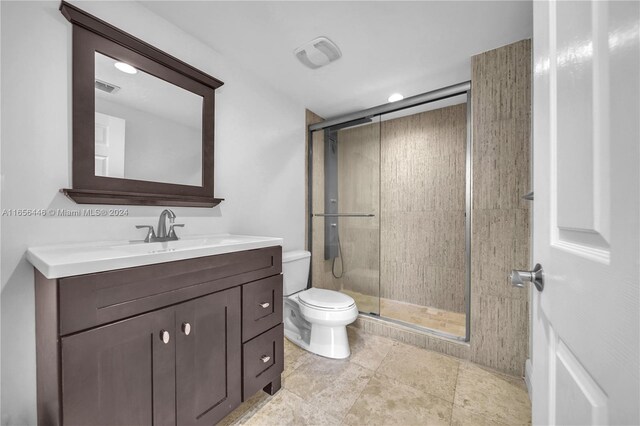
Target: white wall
x,y
259,162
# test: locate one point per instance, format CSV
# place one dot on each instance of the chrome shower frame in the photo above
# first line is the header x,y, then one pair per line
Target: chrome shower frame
x,y
424,98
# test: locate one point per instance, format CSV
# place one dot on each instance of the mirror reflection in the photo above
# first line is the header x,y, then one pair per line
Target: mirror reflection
x,y
145,128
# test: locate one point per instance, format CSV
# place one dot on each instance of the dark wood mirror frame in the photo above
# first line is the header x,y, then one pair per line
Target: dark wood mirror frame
x,y
91,35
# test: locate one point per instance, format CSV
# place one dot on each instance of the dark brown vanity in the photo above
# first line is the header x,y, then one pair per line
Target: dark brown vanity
x,y
175,343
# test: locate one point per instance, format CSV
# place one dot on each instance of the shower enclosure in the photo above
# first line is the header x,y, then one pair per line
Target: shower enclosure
x,y
390,196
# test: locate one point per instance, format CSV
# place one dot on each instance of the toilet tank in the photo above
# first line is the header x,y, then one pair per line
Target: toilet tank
x,y
295,271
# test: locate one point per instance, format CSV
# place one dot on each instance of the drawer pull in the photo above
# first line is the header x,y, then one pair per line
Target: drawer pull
x,y
164,336
265,305
265,358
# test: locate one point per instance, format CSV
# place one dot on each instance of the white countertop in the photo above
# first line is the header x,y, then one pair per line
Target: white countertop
x,y
65,260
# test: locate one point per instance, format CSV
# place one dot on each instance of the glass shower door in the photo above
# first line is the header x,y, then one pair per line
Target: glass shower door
x,y
423,187
345,216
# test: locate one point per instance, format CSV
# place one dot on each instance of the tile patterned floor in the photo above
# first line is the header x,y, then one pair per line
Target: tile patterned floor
x,y
425,316
386,383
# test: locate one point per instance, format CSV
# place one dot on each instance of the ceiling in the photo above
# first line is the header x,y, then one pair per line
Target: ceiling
x,y
149,94
387,46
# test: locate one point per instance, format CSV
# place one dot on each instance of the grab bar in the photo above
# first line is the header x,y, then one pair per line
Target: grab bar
x,y
344,214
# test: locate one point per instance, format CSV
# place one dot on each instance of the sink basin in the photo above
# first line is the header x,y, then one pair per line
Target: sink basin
x,y
159,247
187,243
66,260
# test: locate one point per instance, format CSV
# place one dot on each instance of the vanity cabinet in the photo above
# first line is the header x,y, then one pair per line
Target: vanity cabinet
x,y
208,366
119,374
176,343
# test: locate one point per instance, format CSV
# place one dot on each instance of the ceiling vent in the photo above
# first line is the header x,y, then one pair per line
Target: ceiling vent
x,y
106,87
318,53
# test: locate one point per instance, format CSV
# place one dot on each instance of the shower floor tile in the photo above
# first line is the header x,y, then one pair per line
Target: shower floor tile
x,y
377,386
452,323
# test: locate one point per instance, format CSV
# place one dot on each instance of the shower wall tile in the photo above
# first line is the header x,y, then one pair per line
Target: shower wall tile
x,y
501,99
434,238
500,332
501,239
501,167
310,118
423,161
429,283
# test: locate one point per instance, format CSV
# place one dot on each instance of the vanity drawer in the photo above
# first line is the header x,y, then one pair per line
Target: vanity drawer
x,y
263,360
90,300
261,306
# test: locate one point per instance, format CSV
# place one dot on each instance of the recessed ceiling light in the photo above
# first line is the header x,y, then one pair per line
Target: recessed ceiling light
x,y
124,67
395,97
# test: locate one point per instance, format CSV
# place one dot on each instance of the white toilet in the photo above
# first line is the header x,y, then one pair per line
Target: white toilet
x,y
314,319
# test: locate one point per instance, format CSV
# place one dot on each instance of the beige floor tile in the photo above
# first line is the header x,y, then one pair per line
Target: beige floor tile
x,y
246,410
329,385
286,408
464,417
385,401
294,357
368,350
292,350
425,370
494,396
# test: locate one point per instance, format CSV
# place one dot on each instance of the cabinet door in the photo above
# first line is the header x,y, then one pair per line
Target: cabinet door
x,y
121,374
208,358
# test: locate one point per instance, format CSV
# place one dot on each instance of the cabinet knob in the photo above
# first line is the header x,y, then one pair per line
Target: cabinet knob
x,y
265,358
265,305
164,336
186,328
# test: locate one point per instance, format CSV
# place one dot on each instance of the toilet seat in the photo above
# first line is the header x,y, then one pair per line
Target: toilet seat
x,y
317,298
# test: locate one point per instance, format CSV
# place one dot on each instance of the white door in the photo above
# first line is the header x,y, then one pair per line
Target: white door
x,y
586,322
109,145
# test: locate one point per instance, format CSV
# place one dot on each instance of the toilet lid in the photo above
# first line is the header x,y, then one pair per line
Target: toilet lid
x,y
326,299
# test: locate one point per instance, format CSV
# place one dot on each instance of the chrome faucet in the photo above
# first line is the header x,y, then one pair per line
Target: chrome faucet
x,y
162,222
162,234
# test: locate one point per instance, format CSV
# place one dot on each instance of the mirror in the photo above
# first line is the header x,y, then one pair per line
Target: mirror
x,y
145,128
143,121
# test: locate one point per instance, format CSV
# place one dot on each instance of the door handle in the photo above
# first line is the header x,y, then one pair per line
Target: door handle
x,y
536,276
265,305
164,336
265,358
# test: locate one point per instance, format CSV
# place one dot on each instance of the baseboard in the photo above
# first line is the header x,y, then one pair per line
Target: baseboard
x,y
527,376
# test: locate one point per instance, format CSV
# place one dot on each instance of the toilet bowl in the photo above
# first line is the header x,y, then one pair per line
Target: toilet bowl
x,y
314,319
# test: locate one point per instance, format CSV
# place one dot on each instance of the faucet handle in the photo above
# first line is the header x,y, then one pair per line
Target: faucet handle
x,y
172,232
151,234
